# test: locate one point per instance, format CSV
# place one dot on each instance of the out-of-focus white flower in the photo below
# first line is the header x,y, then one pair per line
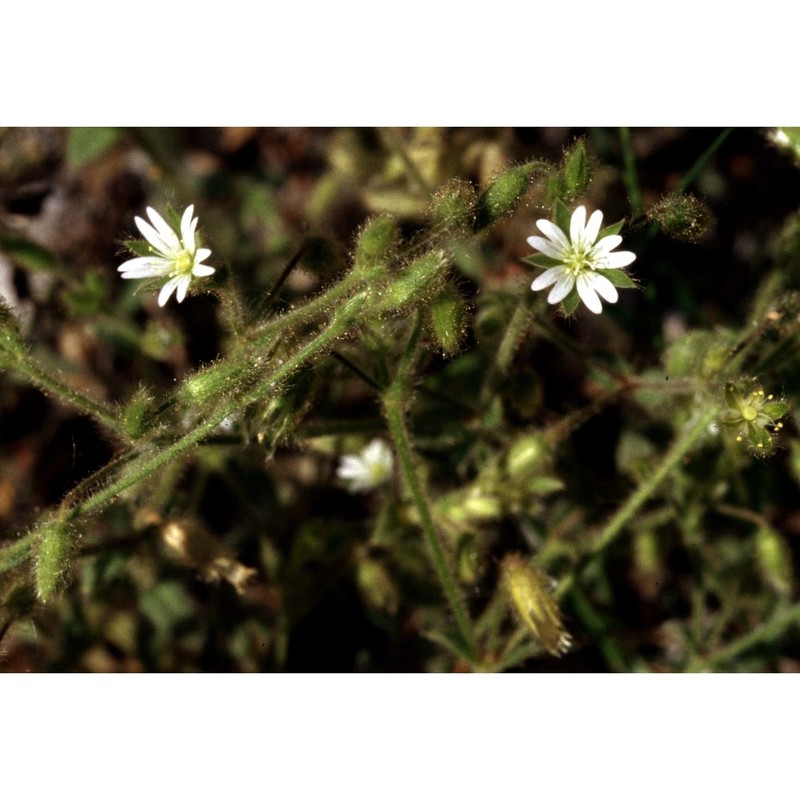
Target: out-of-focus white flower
x,y
369,469
174,255
581,257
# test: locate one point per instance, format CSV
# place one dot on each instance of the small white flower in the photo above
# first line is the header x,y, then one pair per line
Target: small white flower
x,y
175,255
581,256
369,469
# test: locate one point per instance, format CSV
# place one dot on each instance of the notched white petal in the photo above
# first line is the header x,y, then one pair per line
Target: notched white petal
x,y
166,290
562,288
588,295
577,224
593,227
546,246
619,260
202,271
547,278
604,288
553,232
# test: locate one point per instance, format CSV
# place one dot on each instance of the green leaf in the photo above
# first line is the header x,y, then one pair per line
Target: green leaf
x,y
611,230
139,248
776,409
86,144
563,217
619,278
27,254
570,303
542,261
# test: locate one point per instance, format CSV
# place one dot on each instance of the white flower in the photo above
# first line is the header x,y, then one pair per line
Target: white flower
x,y
173,256
369,469
581,256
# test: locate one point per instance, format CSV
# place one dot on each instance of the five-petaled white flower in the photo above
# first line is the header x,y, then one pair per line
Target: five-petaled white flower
x,y
173,254
581,256
369,469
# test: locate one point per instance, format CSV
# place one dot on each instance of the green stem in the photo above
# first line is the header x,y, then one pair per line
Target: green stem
x,y
613,528
768,631
394,407
49,384
629,174
698,165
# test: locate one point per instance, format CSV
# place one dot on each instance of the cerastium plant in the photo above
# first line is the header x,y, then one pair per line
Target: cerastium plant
x,y
397,306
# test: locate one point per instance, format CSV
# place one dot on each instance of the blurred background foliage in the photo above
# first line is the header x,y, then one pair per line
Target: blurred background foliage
x,y
253,556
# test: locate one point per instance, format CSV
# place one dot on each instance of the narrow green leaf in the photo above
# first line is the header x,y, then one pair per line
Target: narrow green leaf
x,y
26,253
611,230
86,144
563,217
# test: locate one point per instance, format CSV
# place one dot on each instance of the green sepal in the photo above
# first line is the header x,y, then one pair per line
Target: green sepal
x,y
619,278
563,216
611,230
732,397
776,409
139,248
759,437
570,303
542,261
173,219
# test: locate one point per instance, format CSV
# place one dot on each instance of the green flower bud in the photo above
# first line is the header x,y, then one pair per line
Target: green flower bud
x,y
453,207
377,240
416,281
753,416
138,416
447,319
53,557
531,594
505,194
11,345
575,171
527,457
682,216
468,559
774,559
224,377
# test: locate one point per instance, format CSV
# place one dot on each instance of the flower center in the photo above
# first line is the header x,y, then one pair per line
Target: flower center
x,y
749,413
577,260
183,263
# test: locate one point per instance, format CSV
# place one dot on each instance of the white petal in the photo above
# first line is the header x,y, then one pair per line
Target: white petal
x,y
553,232
604,287
608,243
167,289
618,260
145,266
164,230
152,236
350,467
562,288
202,271
188,226
183,286
201,255
546,247
145,272
547,278
577,224
593,227
588,295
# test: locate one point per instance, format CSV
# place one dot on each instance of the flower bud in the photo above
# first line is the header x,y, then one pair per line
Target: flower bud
x,y
531,594
453,207
682,216
375,242
138,416
216,380
526,457
505,194
416,281
575,171
774,559
53,557
447,319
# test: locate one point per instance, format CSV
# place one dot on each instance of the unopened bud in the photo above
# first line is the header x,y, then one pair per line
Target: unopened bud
x,y
416,281
447,315
53,557
682,216
531,593
526,457
453,207
505,194
375,242
575,172
138,416
774,559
